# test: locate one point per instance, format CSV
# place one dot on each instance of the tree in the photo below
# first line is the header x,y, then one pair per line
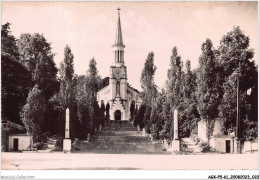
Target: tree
x,y
174,81
253,99
93,82
8,42
140,116
167,117
74,125
157,117
65,98
147,79
236,59
35,52
188,112
234,50
15,88
101,113
69,64
107,110
29,47
132,110
33,113
207,93
47,81
189,81
149,89
102,107
174,92
67,74
99,116
82,104
188,116
15,78
92,119
147,119
105,82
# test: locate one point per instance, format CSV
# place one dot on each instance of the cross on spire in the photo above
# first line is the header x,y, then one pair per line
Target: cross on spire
x,y
119,38
119,46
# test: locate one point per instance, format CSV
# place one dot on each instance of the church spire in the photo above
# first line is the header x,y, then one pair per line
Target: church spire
x,y
119,46
119,37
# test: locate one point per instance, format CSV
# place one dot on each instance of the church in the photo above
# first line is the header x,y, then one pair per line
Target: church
x,y
118,95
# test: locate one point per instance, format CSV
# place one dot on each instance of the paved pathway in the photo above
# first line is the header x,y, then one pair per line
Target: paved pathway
x,y
32,161
122,147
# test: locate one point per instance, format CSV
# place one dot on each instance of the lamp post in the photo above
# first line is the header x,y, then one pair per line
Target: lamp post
x,y
236,140
237,119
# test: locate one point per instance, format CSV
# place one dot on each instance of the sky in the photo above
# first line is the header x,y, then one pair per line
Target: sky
x,y
89,28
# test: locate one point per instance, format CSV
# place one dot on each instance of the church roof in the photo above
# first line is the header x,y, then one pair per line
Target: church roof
x,y
128,85
119,37
222,136
106,86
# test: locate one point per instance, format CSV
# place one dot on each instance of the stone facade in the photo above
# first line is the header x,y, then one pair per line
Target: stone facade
x,y
118,94
7,129
222,143
202,130
19,142
249,146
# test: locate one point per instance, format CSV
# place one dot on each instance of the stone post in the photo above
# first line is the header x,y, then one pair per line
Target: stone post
x,y
144,133
138,128
175,142
67,140
175,136
237,146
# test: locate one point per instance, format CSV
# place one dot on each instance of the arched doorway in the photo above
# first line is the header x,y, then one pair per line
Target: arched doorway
x,y
117,115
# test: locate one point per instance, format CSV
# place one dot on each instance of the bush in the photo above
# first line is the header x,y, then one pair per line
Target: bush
x,y
205,147
140,116
197,140
184,146
44,137
33,113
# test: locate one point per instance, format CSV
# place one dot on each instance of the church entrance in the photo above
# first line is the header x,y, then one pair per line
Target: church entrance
x,y
117,115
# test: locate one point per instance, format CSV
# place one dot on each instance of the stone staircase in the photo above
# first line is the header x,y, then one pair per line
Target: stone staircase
x,y
120,138
192,147
54,143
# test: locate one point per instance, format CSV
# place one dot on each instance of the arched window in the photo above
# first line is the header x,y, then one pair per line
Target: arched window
x,y
118,88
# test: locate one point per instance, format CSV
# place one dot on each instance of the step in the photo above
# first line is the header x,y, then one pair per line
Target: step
x,y
126,137
191,145
119,133
118,141
119,137
122,148
119,128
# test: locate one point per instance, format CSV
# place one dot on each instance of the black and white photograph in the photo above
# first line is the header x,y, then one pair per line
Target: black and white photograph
x,y
129,86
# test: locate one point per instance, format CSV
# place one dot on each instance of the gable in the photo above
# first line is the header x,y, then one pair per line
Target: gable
x,y
131,89
103,89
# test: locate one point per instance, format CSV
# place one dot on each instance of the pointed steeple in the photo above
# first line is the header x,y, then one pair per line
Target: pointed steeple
x,y
119,37
119,46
